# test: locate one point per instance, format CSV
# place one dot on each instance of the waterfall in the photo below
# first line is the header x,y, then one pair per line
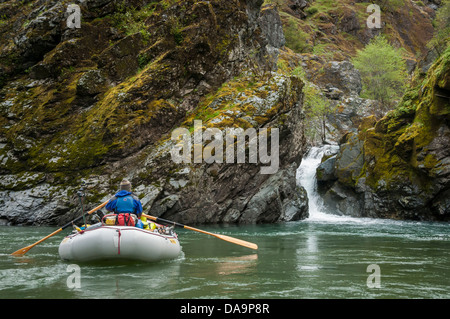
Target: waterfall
x,y
306,177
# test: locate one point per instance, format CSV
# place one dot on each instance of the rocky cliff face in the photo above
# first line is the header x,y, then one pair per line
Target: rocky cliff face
x,y
397,167
99,104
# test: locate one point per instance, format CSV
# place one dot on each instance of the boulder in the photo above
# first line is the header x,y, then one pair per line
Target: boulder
x,y
278,199
350,161
341,75
326,171
91,83
272,27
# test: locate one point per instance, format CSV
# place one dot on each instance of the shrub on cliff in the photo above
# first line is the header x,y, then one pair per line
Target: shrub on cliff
x,y
383,71
390,5
317,107
296,39
442,26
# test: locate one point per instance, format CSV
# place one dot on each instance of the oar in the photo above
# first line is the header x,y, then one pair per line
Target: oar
x,y
223,237
24,250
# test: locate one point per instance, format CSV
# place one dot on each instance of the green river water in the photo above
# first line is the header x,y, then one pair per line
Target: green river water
x,y
325,256
306,259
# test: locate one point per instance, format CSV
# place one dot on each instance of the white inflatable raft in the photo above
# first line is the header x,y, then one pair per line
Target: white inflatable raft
x,y
119,242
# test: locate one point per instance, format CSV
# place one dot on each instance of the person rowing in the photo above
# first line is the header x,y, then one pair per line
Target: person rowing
x,y
124,203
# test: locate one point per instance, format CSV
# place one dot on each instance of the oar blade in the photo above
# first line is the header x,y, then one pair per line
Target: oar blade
x,y
24,250
21,251
238,241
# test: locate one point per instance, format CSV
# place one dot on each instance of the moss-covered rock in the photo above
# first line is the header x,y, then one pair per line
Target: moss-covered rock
x,y
99,103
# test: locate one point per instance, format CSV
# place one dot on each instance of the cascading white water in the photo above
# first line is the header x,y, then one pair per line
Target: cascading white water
x,y
306,177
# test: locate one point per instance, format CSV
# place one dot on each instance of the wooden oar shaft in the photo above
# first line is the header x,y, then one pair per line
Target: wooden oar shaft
x,y
223,237
24,250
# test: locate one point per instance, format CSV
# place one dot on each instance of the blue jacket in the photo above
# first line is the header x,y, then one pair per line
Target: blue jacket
x,y
125,202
